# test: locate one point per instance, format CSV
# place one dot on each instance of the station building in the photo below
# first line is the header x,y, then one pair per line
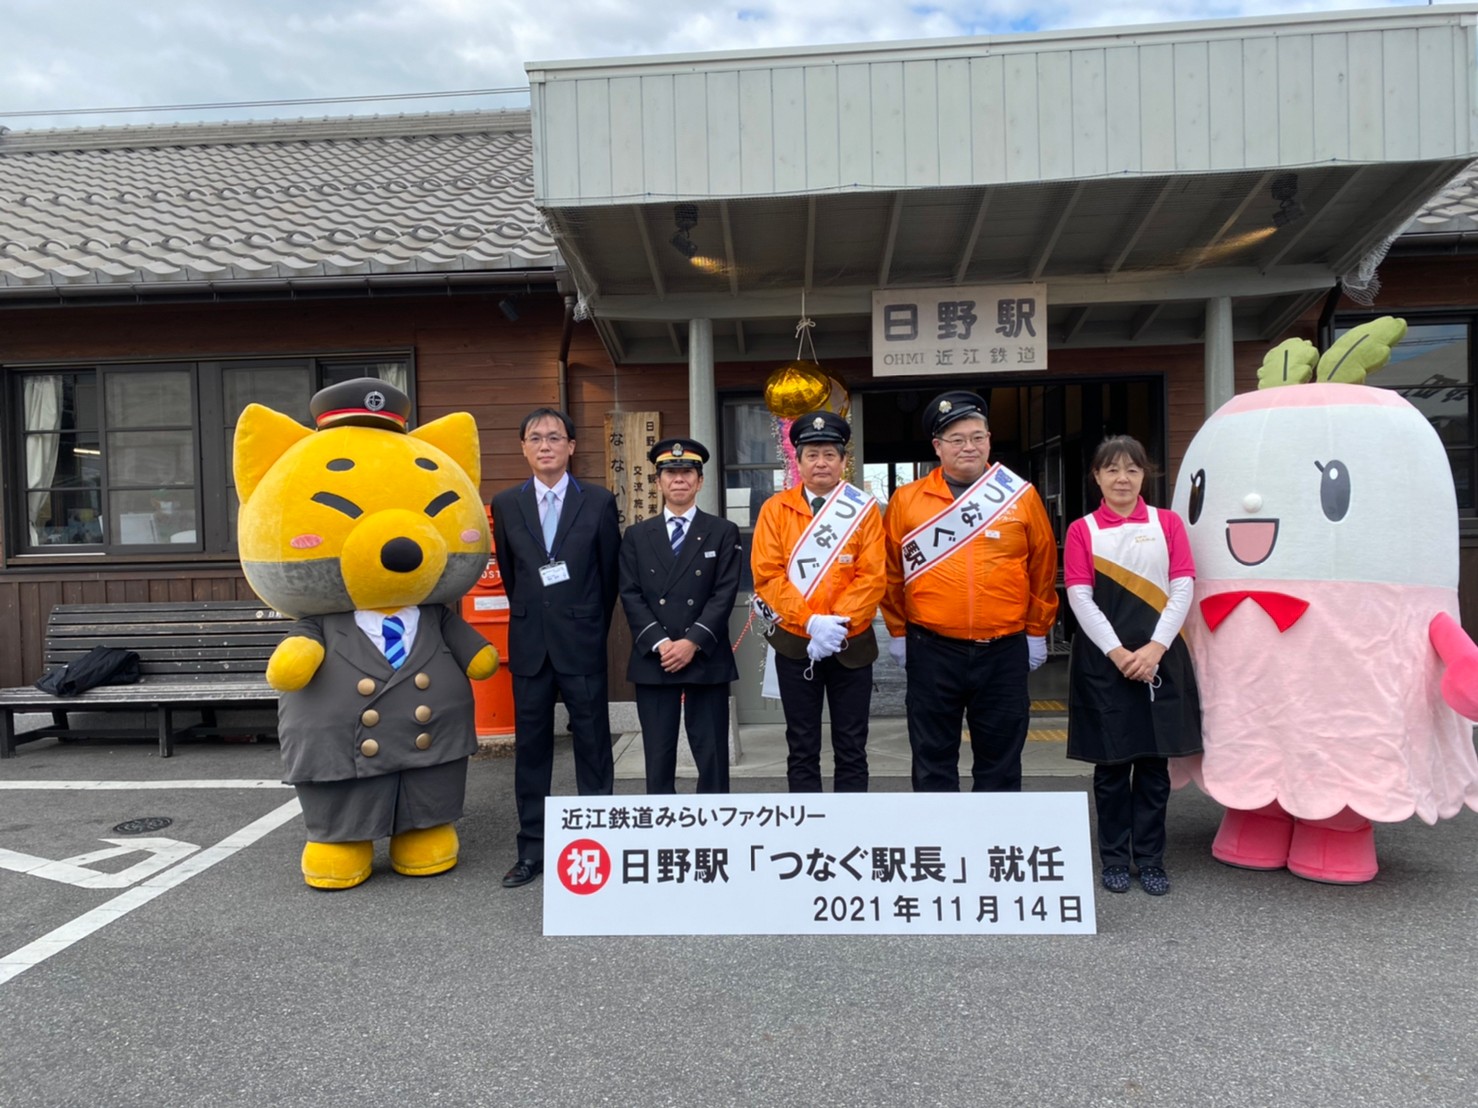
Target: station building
x,y
1103,231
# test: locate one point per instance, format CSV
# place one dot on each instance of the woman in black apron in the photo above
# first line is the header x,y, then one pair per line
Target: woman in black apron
x,y
1132,698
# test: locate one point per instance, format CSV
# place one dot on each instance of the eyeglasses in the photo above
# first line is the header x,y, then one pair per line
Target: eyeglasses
x,y
956,442
552,440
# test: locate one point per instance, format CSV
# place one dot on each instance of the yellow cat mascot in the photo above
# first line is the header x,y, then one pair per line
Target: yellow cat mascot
x,y
365,531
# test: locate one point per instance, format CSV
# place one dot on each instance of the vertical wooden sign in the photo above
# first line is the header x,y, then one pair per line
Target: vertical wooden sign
x,y
629,435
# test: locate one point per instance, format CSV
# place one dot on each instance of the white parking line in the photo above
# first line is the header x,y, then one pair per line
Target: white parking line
x,y
54,942
67,786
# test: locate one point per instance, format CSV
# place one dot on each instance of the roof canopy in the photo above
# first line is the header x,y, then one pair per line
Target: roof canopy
x,y
1135,172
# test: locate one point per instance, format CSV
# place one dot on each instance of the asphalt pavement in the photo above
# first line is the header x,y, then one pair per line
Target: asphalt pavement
x,y
231,983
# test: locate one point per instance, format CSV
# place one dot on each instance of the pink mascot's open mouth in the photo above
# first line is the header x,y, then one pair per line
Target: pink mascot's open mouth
x,y
1251,541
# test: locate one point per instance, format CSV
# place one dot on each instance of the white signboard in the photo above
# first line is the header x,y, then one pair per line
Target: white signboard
x,y
960,329
819,864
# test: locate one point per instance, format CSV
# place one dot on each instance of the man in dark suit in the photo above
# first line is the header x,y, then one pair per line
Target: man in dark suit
x,y
557,542
679,578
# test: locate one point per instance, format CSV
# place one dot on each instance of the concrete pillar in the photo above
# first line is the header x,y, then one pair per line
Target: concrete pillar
x,y
703,407
1220,372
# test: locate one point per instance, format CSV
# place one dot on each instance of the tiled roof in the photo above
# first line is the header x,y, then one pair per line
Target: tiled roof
x,y
1451,211
221,202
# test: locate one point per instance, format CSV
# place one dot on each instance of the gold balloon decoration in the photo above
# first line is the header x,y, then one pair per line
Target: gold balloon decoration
x,y
838,399
797,388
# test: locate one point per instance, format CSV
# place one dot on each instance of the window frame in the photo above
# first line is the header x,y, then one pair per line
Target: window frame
x,y
1343,321
214,486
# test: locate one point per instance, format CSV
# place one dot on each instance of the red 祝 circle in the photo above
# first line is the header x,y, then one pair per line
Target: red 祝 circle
x,y
584,867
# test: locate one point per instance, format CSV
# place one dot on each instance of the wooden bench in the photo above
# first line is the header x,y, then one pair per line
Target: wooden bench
x,y
201,655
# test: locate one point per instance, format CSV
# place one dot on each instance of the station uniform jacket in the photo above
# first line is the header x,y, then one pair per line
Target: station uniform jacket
x,y
358,716
852,586
1003,582
687,596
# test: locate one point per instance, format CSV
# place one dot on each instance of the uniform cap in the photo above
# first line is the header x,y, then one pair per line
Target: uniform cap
x,y
948,407
363,402
678,454
820,428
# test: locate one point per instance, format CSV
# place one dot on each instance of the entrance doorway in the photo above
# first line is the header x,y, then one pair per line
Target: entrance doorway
x,y
1045,432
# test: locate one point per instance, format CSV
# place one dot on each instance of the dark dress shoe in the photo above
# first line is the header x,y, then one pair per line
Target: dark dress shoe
x,y
522,873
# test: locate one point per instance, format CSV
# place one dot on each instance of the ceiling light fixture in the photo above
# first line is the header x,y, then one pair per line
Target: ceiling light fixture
x,y
1284,190
686,218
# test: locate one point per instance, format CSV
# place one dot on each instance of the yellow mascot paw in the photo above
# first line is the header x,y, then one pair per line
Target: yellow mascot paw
x,y
337,865
294,663
424,852
484,665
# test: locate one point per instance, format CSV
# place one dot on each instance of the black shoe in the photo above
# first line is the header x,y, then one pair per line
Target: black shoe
x,y
1116,879
522,873
1153,880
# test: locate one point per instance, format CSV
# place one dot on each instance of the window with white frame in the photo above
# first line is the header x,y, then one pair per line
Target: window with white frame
x,y
136,458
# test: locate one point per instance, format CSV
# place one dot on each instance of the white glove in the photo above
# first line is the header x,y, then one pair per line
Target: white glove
x,y
1036,650
829,632
898,650
816,651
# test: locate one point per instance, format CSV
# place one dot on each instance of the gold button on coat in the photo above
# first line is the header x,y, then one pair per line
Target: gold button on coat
x,y
370,717
423,740
423,714
423,681
369,748
366,686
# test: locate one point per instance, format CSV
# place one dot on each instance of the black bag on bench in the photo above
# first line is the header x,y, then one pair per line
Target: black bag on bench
x,y
102,665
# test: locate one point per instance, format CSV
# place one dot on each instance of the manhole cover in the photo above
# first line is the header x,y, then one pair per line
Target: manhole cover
x,y
142,826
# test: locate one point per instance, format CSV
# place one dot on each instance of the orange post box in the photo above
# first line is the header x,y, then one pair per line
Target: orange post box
x,y
486,607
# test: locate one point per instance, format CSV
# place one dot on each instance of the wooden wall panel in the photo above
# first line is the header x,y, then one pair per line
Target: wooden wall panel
x,y
469,357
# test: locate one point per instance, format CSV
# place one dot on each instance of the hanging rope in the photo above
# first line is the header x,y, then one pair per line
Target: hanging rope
x,y
803,329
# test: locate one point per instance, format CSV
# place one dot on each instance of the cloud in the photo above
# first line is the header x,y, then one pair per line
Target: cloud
x,y
107,53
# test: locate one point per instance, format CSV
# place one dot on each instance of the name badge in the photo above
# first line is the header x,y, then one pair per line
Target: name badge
x,y
992,534
554,573
710,553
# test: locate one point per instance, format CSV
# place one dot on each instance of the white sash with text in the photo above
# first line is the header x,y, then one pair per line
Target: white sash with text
x,y
972,513
828,533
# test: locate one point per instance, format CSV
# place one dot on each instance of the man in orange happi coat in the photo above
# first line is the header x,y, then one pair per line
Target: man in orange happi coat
x,y
972,567
818,577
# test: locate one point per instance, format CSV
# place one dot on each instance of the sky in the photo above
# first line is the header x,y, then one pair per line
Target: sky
x,y
84,54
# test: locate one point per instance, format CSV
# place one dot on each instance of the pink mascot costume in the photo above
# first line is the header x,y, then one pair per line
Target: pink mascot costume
x,y
1333,670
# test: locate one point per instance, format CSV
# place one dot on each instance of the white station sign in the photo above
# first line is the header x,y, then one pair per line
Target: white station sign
x,y
823,863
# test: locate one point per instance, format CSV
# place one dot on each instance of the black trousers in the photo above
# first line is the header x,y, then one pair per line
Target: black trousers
x,y
848,692
986,684
1131,798
661,709
533,745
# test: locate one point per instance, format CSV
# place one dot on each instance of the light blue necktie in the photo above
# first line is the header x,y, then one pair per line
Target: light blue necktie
x,y
551,520
394,631
677,533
